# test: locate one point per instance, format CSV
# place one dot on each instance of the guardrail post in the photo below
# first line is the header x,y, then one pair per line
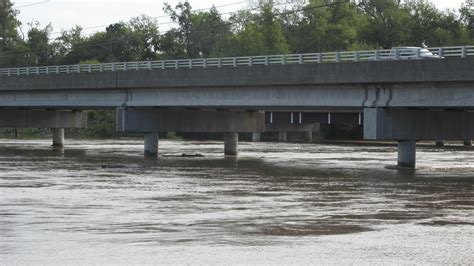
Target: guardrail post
x,y
204,63
320,58
463,52
9,72
418,53
149,65
113,66
190,63
266,60
176,64
250,61
234,61
219,62
357,56
89,68
163,64
300,59
377,55
397,54
283,59
338,57
441,51
125,66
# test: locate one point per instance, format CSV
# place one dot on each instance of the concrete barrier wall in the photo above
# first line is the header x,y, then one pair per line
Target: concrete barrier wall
x,y
405,71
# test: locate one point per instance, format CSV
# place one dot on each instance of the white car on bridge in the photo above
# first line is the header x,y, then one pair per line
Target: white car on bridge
x,y
405,53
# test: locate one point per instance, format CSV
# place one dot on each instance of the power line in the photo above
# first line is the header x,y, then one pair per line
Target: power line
x,y
163,16
33,4
122,40
198,10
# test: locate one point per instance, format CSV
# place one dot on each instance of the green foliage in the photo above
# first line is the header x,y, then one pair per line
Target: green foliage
x,y
198,34
10,41
100,123
38,43
256,34
331,28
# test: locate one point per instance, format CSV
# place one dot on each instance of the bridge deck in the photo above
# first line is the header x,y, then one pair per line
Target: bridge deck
x,y
447,83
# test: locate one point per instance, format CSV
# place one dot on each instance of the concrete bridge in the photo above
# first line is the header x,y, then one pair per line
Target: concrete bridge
x,y
402,100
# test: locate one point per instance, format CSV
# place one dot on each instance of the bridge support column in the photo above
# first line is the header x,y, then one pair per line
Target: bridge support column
x,y
407,153
440,143
282,136
231,144
404,124
195,121
308,136
467,142
58,137
151,144
57,120
256,136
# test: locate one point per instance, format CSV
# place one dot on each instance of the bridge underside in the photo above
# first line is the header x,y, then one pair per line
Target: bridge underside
x,y
456,95
57,120
407,126
402,100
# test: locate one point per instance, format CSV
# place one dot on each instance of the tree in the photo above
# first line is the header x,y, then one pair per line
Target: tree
x,y
386,22
41,52
255,34
11,45
136,40
272,30
325,27
429,26
145,37
198,33
8,23
467,18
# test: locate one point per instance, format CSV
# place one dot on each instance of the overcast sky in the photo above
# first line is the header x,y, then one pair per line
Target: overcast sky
x,y
93,15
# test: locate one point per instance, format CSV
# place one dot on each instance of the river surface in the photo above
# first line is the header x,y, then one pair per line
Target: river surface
x,y
101,202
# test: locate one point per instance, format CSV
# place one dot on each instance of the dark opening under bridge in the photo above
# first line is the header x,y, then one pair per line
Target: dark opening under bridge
x,y
403,100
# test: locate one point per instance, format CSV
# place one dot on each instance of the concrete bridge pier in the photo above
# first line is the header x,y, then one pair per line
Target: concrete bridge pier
x,y
256,136
439,143
151,144
58,137
467,142
282,136
407,153
231,144
406,126
151,120
57,120
308,136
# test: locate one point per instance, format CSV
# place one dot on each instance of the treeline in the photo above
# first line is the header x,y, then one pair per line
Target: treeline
x,y
315,27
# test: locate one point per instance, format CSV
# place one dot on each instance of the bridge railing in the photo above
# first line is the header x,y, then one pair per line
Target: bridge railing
x,y
308,58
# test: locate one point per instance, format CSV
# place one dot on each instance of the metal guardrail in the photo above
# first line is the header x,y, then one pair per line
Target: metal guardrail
x,y
331,57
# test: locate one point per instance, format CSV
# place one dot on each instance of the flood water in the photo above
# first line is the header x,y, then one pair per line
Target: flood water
x,y
101,202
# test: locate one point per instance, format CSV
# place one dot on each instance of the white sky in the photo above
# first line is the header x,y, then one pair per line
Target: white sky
x,y
65,14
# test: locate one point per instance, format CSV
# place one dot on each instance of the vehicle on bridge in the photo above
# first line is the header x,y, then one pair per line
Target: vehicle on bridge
x,y
405,53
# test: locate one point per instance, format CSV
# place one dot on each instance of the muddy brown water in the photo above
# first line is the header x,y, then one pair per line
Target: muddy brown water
x,y
101,202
